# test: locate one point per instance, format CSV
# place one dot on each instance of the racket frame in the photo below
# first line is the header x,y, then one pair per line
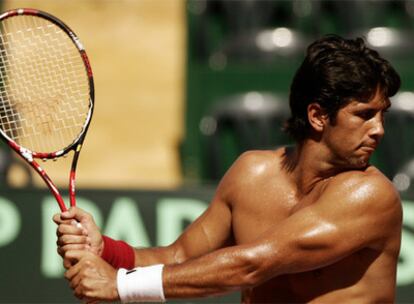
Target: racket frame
x,y
76,146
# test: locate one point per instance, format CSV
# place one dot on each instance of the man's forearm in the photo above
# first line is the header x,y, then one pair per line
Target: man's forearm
x,y
216,273
158,255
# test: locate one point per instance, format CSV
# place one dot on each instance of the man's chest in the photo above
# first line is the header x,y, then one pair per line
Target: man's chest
x,y
257,210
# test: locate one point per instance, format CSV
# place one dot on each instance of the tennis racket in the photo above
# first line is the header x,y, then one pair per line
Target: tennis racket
x,y
46,91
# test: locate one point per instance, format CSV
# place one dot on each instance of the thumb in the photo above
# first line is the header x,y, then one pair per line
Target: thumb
x,y
75,213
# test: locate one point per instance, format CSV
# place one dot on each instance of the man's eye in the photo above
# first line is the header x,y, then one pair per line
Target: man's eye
x,y
366,114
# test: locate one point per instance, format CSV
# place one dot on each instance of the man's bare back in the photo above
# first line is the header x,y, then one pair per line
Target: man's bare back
x,y
367,275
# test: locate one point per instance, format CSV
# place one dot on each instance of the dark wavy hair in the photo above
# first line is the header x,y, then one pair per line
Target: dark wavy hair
x,y
334,72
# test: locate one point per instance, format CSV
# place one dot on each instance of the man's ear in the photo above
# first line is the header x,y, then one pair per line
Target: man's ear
x,y
317,117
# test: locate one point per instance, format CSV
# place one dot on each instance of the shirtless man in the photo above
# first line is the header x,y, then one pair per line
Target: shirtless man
x,y
312,223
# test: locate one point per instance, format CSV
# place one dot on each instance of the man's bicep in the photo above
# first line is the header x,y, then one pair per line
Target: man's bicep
x,y
331,229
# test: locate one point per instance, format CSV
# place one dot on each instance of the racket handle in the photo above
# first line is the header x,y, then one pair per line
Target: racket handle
x,y
72,189
72,175
77,223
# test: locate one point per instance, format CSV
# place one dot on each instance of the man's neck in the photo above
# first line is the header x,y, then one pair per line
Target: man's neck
x,y
309,164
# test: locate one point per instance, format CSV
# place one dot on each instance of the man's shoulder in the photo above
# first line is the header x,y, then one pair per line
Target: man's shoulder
x,y
258,162
368,186
368,177
368,195
259,155
251,169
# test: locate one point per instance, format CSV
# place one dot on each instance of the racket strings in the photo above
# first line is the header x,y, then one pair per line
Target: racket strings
x,y
44,89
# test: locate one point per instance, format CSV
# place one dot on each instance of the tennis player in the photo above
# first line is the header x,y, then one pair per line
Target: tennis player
x,y
310,223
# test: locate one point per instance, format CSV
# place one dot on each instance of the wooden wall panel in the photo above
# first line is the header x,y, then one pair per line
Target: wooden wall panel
x,y
137,52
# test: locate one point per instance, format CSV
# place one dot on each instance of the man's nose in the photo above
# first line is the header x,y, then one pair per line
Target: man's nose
x,y
377,128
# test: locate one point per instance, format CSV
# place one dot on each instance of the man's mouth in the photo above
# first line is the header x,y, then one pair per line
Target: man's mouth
x,y
368,148
369,145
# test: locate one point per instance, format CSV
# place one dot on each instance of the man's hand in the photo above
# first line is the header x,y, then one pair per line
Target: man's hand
x,y
77,231
91,278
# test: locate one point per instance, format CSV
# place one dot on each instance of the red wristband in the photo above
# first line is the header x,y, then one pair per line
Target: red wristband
x,y
118,253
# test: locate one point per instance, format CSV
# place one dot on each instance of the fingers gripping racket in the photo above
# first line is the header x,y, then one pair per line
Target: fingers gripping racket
x,y
46,91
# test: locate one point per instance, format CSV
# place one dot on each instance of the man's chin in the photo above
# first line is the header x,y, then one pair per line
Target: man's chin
x,y
359,163
354,162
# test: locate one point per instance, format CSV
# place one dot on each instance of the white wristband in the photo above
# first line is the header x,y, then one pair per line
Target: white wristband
x,y
141,284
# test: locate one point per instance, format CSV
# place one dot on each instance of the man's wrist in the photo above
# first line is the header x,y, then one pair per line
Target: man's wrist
x,y
142,284
118,253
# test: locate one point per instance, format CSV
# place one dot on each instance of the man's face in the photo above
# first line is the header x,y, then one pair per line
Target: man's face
x,y
356,132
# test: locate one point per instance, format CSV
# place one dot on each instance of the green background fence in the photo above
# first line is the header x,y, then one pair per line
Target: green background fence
x,y
31,270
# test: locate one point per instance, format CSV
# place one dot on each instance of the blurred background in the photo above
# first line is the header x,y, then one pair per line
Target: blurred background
x,y
184,86
137,53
